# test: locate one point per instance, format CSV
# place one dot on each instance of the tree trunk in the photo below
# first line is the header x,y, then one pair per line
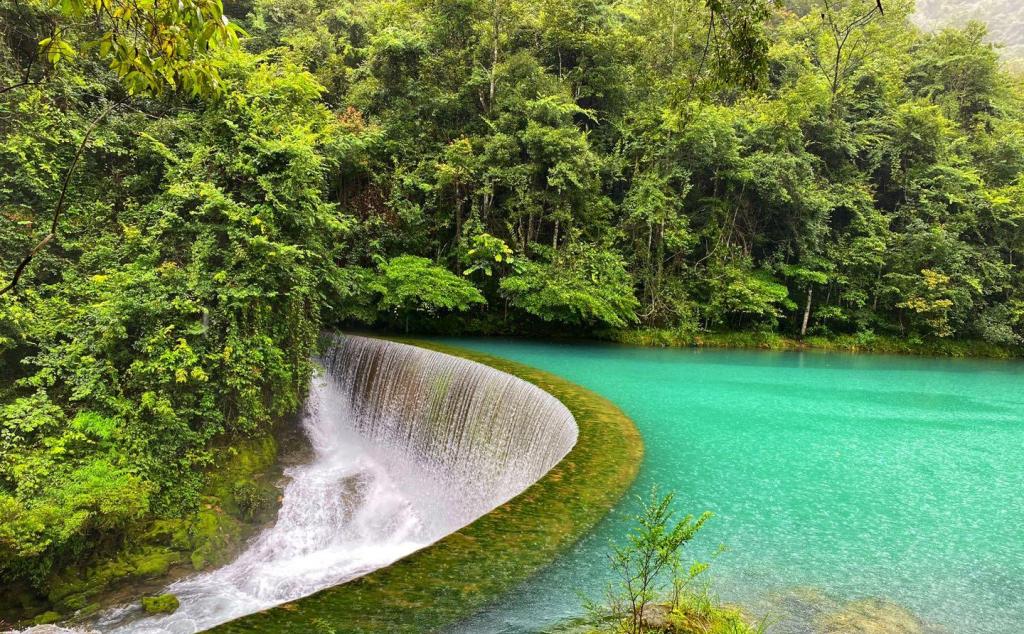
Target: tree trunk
x,y
494,56
807,311
458,215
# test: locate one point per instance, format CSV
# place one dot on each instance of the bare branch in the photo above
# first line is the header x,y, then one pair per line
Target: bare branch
x,y
20,84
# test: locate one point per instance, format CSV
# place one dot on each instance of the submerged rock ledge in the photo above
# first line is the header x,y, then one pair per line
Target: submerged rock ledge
x,y
464,571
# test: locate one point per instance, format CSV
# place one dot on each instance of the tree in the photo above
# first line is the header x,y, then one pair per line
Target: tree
x,y
959,70
408,284
645,564
582,284
153,47
486,254
805,278
182,307
746,294
659,234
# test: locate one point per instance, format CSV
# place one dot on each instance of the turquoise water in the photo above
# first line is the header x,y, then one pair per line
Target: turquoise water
x,y
838,475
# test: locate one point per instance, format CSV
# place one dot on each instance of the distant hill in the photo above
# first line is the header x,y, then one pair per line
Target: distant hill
x,y
1005,19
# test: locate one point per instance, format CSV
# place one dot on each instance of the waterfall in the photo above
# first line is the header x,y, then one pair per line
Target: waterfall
x,y
409,445
481,436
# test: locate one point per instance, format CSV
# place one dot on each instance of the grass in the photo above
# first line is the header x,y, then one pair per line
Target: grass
x,y
701,613
474,566
861,343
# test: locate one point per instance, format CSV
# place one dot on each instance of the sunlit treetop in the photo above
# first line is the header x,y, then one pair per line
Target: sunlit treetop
x,y
154,46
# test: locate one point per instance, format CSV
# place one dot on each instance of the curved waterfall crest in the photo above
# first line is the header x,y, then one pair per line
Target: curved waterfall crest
x,y
409,445
482,435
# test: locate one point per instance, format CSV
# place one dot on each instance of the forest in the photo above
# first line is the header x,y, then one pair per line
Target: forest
x,y
190,195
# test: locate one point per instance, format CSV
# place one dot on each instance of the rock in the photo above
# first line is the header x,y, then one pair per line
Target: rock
x,y
809,609
55,629
655,616
161,604
872,616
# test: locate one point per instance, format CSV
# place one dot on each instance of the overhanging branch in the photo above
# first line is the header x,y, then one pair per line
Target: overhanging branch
x,y
59,208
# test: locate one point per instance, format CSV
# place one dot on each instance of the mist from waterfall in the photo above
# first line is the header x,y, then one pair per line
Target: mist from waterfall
x,y
409,445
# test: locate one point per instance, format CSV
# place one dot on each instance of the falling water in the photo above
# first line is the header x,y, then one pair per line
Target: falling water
x,y
409,445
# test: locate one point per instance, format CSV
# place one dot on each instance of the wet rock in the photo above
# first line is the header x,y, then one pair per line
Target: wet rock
x,y
872,616
810,609
46,618
55,629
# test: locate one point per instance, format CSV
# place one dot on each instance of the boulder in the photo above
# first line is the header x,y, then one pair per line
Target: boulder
x,y
655,616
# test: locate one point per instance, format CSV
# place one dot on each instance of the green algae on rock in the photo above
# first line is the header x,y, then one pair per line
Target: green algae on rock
x,y
46,618
874,616
475,565
160,604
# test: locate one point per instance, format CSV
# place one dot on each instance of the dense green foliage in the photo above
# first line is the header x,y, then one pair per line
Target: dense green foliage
x,y
858,173
409,283
495,165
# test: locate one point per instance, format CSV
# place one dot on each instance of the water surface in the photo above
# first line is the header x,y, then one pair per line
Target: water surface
x,y
850,476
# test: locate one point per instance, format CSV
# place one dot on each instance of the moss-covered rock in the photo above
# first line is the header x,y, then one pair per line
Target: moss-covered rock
x,y
151,562
240,494
160,604
172,533
872,616
74,602
253,499
75,589
46,618
812,609
20,603
89,610
236,483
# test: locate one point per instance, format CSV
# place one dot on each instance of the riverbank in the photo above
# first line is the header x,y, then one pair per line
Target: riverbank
x,y
863,343
466,570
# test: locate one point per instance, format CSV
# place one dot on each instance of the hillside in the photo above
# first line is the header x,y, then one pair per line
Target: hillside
x,y
1005,19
